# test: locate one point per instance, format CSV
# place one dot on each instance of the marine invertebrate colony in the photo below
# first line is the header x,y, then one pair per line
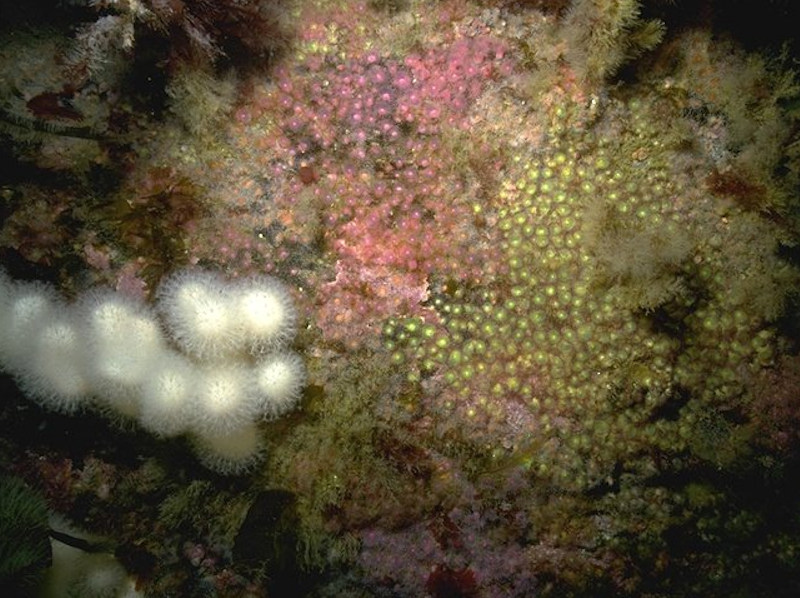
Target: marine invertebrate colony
x,y
221,364
550,340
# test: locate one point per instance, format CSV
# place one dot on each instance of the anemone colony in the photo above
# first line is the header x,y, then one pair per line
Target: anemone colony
x,y
109,352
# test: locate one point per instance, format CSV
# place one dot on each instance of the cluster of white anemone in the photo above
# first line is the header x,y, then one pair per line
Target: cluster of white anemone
x,y
209,361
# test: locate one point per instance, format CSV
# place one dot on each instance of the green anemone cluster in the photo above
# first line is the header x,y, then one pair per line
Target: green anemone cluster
x,y
613,319
24,540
